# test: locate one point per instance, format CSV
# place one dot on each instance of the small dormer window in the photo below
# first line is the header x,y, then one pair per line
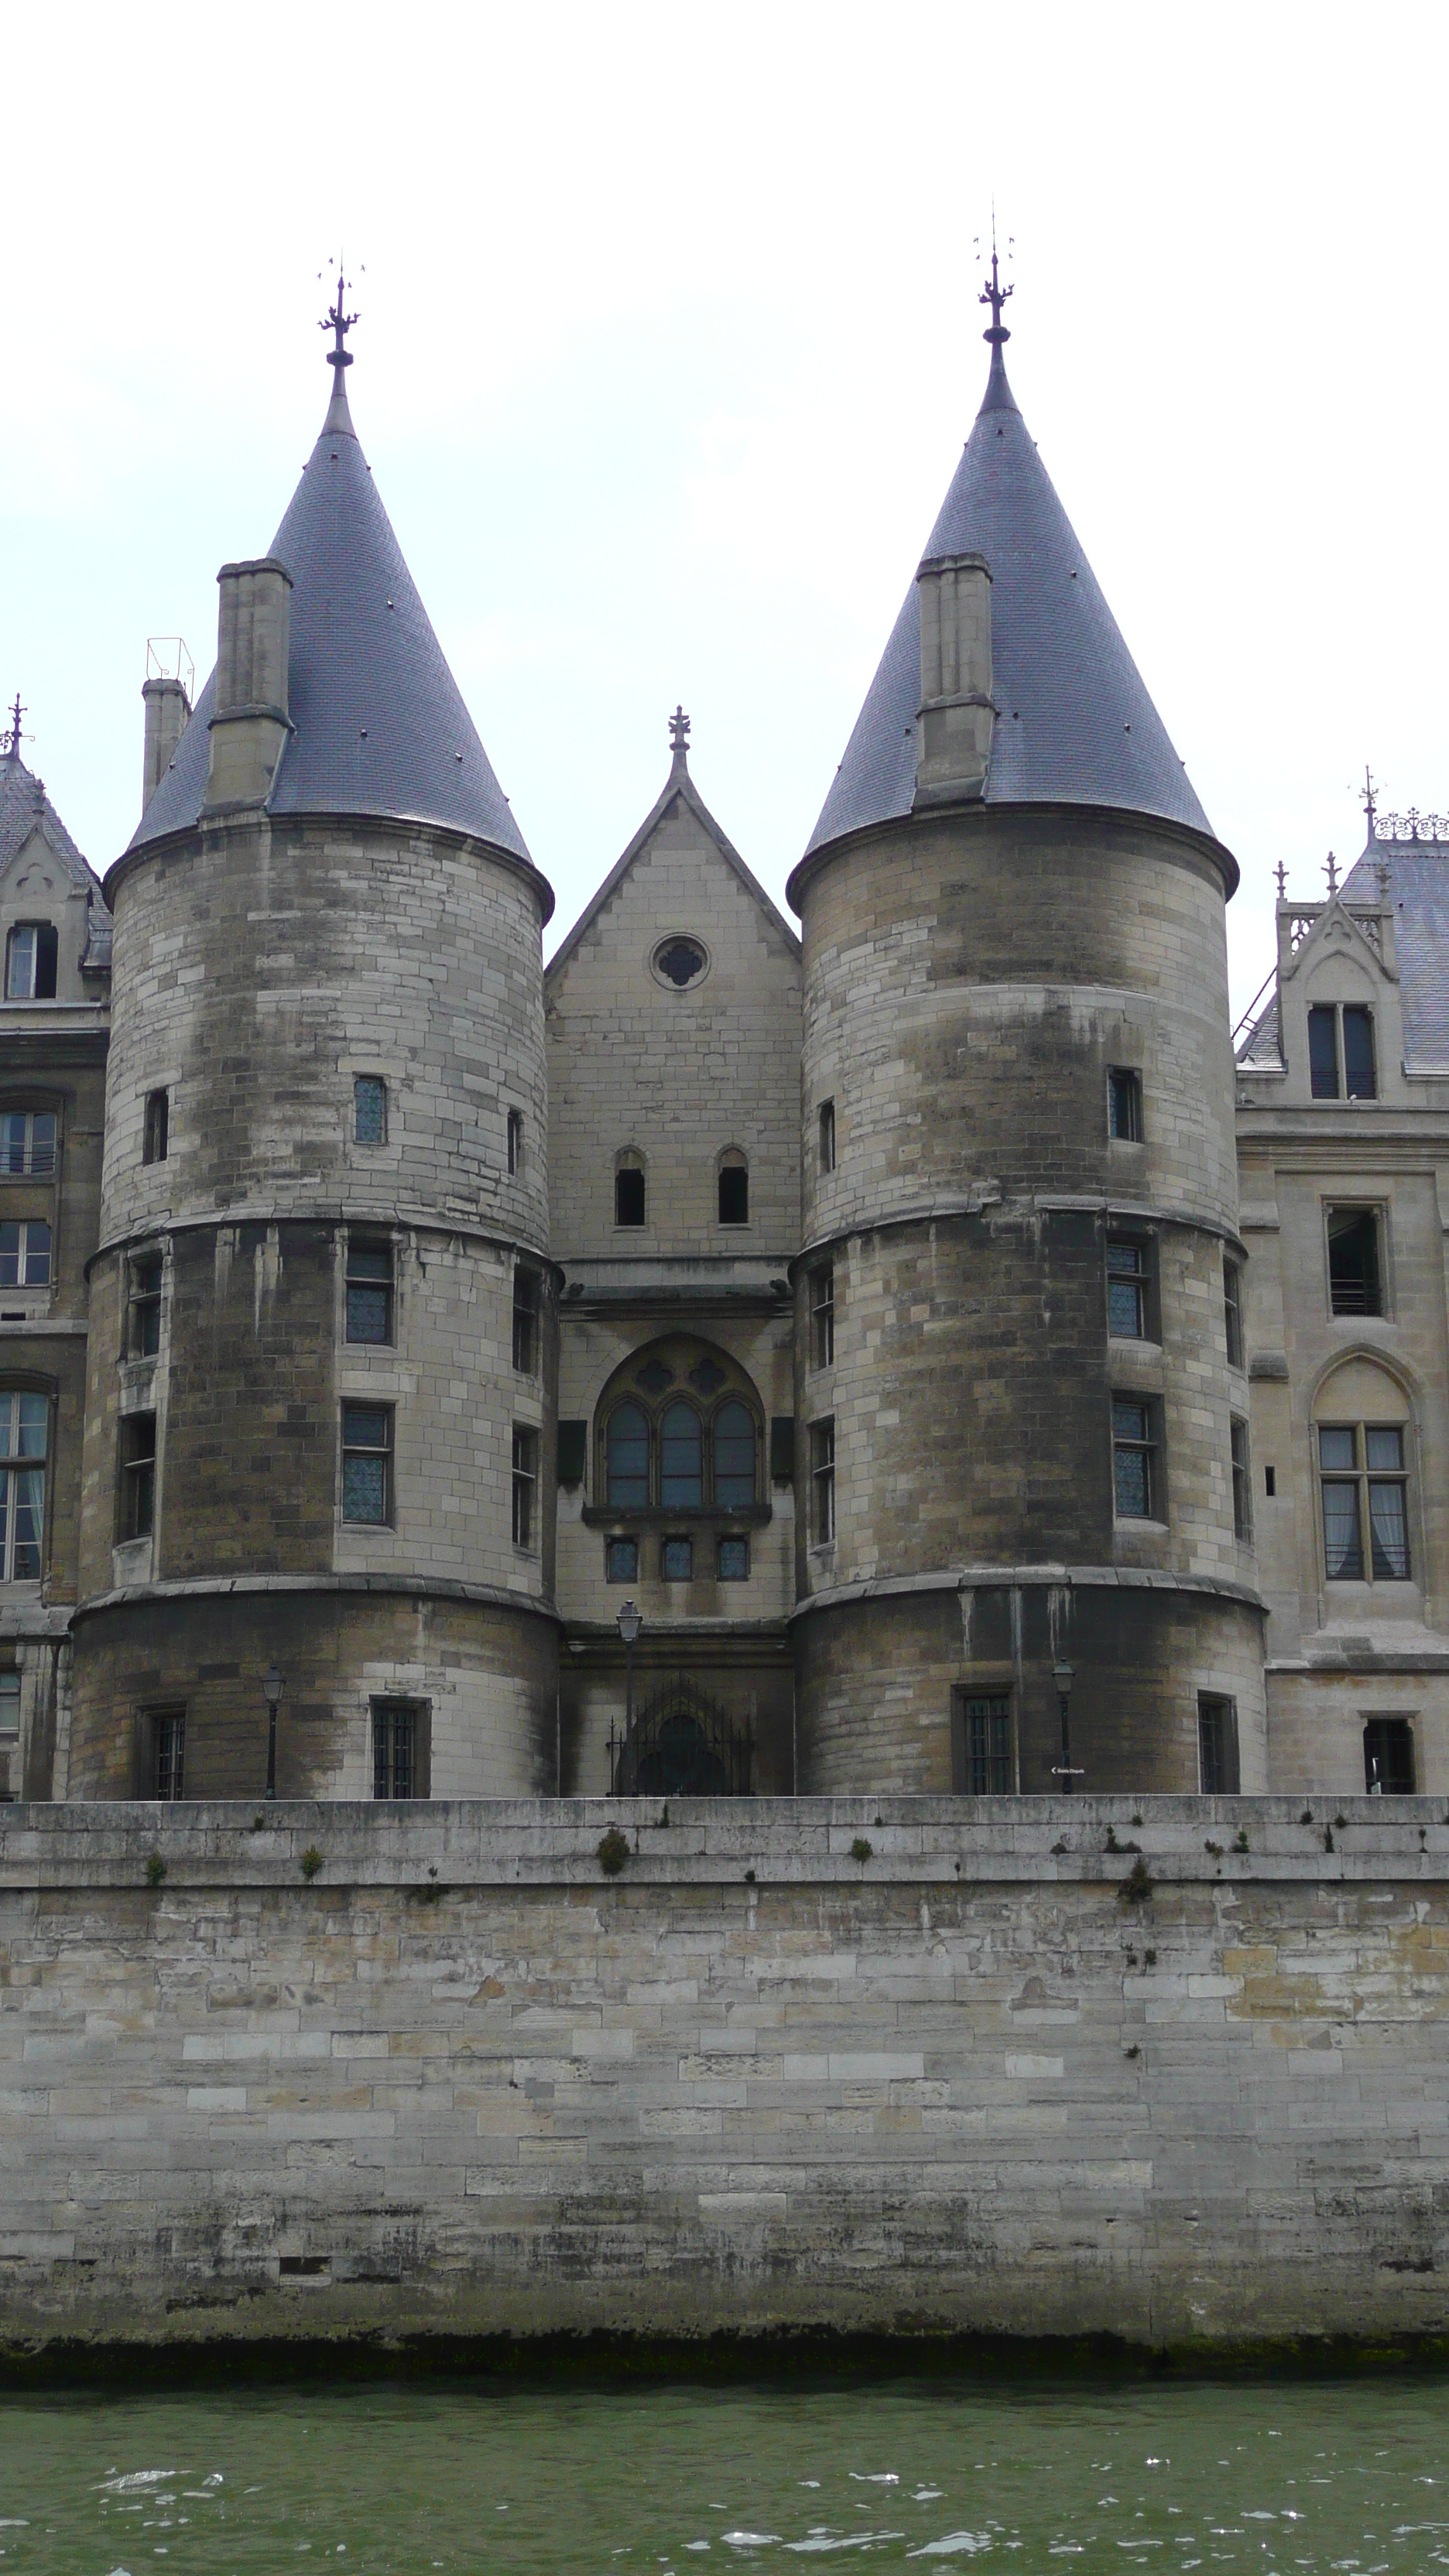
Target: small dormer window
x,y
30,962
1341,1051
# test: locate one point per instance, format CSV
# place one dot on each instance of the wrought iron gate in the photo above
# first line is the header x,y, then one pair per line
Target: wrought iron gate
x,y
682,1745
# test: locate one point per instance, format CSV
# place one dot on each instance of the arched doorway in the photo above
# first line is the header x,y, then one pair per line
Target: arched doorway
x,y
682,1744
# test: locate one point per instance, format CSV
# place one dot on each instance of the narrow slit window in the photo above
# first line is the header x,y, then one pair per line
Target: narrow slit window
x,y
629,1193
1128,1281
1135,1467
1124,1104
369,1292
369,1109
822,1316
156,1127
143,1323
525,1484
138,1475
525,1322
515,1140
367,1445
1355,1286
827,1135
1242,1483
168,1738
1233,1312
1217,1746
822,1482
734,1190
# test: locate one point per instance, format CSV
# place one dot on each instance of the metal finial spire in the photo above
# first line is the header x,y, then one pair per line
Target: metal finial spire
x,y
339,322
679,734
1330,870
12,739
1370,799
995,295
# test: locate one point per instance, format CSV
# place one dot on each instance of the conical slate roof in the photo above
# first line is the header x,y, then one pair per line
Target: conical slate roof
x,y
380,725
1076,726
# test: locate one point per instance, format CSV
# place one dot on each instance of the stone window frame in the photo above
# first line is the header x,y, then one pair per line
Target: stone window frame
x,y
1362,1477
31,1106
527,1319
1241,1469
161,1730
679,1541
731,1159
28,1253
137,1454
381,1706
376,1083
514,1142
145,1305
822,1316
1144,1282
525,1513
44,961
156,1125
662,948
1218,1709
1233,1334
1126,1117
623,1387
1333,1013
13,1461
1378,1210
827,1142
964,1759
1384,1718
365,1244
1151,1446
386,1451
630,1158
822,1482
621,1557
730,1539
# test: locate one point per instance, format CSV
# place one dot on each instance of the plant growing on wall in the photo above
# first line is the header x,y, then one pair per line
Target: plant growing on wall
x,y
861,1850
613,1852
311,1861
1136,1887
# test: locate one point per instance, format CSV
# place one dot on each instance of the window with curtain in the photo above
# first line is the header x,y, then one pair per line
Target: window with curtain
x,y
24,1429
1363,1480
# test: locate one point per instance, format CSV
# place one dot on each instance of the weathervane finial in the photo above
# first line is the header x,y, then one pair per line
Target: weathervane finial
x,y
339,322
12,739
995,295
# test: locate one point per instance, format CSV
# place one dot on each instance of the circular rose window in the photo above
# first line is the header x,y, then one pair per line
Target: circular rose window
x,y
680,962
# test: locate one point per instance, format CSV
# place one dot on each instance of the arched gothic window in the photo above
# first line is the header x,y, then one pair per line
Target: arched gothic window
x,y
679,1431
681,1456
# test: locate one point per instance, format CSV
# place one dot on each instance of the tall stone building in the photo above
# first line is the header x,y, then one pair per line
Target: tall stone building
x,y
727,1361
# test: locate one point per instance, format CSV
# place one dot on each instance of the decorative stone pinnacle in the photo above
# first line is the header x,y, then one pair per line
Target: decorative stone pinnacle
x,y
1331,872
1281,873
679,734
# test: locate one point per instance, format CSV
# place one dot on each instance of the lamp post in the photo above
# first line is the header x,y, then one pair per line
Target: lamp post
x,y
274,1685
1065,1770
630,1623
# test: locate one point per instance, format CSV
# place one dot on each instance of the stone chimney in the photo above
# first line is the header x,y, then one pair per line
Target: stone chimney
x,y
250,722
956,714
168,712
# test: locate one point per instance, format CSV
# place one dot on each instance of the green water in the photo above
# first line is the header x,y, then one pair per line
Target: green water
x,y
1351,2479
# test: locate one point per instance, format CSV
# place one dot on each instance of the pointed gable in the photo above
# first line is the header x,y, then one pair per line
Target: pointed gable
x,y
1075,724
380,724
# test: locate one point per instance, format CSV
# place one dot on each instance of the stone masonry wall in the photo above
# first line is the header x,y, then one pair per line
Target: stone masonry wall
x,y
460,2083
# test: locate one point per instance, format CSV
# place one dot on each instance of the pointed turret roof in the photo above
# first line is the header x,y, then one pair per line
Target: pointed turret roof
x,y
380,724
1075,724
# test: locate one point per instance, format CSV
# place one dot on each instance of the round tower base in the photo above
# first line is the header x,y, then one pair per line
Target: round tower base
x,y
912,1688
462,1692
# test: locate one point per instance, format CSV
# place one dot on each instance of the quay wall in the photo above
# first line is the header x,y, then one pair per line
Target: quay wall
x,y
457,2081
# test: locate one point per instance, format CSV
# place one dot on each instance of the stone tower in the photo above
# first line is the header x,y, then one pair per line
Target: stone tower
x,y
1022,1413
320,1418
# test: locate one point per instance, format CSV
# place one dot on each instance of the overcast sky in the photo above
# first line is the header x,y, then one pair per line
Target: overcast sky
x,y
668,345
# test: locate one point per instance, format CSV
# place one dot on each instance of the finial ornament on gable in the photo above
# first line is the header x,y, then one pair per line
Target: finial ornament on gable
x,y
339,322
12,739
995,295
1331,872
679,737
1281,873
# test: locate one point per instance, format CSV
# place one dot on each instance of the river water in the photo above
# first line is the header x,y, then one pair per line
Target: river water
x,y
1351,2478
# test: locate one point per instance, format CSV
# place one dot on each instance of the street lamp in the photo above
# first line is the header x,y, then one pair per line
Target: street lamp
x,y
1065,1770
274,1685
630,1623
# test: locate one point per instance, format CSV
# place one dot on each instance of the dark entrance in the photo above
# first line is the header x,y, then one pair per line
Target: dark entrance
x,y
682,1745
